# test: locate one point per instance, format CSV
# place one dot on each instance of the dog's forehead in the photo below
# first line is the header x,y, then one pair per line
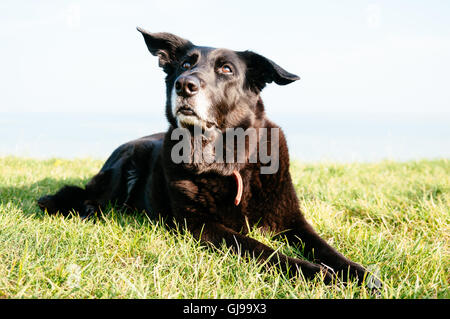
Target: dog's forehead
x,y
210,53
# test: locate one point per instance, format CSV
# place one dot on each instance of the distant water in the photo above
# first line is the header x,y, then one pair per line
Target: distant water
x,y
342,137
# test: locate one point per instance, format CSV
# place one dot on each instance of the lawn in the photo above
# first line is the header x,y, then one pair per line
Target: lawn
x,y
392,217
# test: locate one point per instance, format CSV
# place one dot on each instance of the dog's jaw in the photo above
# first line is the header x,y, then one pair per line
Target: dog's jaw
x,y
189,120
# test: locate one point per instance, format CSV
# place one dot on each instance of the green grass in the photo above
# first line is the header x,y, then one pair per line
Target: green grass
x,y
390,216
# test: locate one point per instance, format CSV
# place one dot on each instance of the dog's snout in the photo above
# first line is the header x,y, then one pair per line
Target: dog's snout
x,y
187,86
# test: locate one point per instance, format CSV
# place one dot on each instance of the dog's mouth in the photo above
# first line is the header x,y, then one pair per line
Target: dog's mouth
x,y
186,110
187,117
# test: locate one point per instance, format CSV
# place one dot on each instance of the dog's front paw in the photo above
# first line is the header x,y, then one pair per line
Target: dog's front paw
x,y
366,277
373,281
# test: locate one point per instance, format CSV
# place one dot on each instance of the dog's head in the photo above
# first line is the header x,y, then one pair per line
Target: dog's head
x,y
211,87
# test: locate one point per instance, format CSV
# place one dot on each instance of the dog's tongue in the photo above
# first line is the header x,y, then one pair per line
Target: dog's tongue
x,y
240,186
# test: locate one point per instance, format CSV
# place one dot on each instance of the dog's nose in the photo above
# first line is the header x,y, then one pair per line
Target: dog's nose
x,y
187,86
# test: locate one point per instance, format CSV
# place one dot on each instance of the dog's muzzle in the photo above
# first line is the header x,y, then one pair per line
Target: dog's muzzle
x,y
190,105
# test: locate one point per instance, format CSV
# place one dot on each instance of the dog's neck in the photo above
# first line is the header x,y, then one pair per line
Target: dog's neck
x,y
202,157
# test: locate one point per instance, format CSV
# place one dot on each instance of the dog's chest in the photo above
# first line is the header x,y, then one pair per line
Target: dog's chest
x,y
210,194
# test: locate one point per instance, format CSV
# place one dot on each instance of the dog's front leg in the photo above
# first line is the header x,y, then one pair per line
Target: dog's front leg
x,y
216,233
302,233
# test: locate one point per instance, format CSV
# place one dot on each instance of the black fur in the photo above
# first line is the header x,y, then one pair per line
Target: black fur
x,y
141,174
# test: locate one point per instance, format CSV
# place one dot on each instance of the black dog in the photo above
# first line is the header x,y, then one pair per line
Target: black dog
x,y
218,89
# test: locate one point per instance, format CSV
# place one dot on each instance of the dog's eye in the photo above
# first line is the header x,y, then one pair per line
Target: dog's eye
x,y
226,69
186,65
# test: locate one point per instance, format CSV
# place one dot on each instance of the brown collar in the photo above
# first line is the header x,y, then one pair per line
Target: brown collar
x,y
240,186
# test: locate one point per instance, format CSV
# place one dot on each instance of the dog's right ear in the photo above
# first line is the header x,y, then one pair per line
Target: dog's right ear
x,y
168,47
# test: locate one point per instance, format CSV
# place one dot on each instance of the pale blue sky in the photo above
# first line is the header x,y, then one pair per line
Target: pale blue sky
x,y
86,56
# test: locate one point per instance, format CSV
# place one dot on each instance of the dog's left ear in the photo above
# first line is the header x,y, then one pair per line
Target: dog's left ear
x,y
261,70
166,46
